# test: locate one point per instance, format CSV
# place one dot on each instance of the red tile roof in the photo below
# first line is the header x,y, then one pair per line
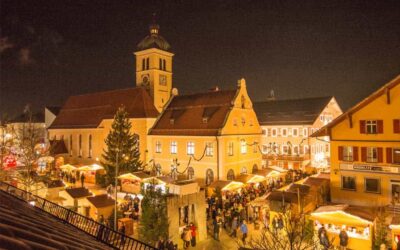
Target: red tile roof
x,y
201,114
88,110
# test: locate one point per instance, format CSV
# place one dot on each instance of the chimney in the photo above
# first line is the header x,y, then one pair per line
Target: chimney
x,y
271,96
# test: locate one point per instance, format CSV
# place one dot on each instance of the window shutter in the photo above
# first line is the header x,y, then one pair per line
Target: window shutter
x,y
362,126
389,158
396,126
340,153
363,154
380,154
380,126
355,153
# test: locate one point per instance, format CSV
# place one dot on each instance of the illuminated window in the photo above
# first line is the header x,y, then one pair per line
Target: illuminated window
x,y
296,149
274,132
243,147
284,132
372,185
348,153
190,148
371,127
209,149
305,132
243,170
174,147
285,149
295,132
264,132
396,156
349,182
230,148
209,177
158,147
269,132
372,154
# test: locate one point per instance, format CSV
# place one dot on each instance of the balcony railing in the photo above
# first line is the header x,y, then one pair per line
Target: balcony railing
x,y
102,233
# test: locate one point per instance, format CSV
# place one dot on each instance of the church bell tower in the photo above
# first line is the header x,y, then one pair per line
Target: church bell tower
x,y
154,66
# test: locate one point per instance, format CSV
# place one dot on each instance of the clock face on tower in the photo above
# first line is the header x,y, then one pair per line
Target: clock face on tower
x,y
163,80
145,80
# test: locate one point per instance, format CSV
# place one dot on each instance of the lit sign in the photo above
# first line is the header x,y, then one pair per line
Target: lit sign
x,y
369,168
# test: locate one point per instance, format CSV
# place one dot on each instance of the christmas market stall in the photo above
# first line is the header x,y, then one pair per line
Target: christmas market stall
x,y
349,227
224,186
90,172
100,205
395,231
131,182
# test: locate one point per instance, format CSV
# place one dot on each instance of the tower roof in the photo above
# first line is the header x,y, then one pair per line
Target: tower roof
x,y
154,39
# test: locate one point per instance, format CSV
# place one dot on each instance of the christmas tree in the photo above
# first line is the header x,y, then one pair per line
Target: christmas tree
x,y
154,220
122,148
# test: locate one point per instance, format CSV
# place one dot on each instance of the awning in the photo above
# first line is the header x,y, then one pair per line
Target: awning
x,y
67,167
93,167
128,176
344,215
233,186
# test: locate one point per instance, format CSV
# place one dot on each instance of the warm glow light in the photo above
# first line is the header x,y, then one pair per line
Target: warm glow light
x,y
341,212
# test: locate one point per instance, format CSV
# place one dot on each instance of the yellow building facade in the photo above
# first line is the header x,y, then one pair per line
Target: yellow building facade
x,y
208,136
365,150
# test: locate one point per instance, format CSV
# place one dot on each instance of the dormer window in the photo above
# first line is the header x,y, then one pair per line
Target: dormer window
x,y
243,121
235,122
205,119
172,121
243,102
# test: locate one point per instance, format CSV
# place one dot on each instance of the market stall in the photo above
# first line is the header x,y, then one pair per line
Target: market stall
x,y
90,172
224,186
348,226
131,182
395,231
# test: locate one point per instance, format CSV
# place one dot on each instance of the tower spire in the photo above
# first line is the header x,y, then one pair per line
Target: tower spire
x,y
154,27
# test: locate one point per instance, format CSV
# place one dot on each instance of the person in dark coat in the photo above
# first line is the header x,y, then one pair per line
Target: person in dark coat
x,y
343,239
122,231
216,229
82,179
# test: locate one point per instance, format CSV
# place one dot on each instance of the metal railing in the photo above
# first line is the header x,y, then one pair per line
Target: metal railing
x,y
99,231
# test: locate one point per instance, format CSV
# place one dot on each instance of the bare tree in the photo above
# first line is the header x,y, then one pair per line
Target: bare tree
x,y
29,146
289,231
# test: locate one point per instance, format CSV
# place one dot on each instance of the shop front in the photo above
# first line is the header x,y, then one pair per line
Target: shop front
x,y
395,232
346,226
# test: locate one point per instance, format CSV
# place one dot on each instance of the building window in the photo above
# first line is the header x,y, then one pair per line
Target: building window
x,y
230,148
305,132
372,185
190,173
234,122
274,132
209,177
243,170
190,148
70,145
137,139
158,147
349,183
160,64
230,175
371,127
148,63
295,132
90,146
269,132
243,121
396,156
285,149
396,126
284,132
264,132
326,148
143,64
347,153
255,147
254,169
306,149
174,147
372,154
209,149
243,146
80,145
164,65
295,149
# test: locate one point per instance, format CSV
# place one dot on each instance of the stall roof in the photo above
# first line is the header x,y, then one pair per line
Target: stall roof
x,y
78,192
226,185
102,200
353,214
67,167
142,175
280,196
303,189
315,182
249,178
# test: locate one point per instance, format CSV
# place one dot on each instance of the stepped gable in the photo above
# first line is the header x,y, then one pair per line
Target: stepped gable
x,y
25,227
201,114
89,110
290,112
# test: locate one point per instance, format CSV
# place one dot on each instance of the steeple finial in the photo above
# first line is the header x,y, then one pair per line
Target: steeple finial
x,y
154,27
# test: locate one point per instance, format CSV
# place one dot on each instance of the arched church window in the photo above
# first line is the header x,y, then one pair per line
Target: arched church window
x,y
190,173
80,145
160,64
147,63
230,175
255,169
209,177
90,146
164,65
143,64
243,102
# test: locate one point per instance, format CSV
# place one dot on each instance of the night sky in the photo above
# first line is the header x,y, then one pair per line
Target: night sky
x,y
53,49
